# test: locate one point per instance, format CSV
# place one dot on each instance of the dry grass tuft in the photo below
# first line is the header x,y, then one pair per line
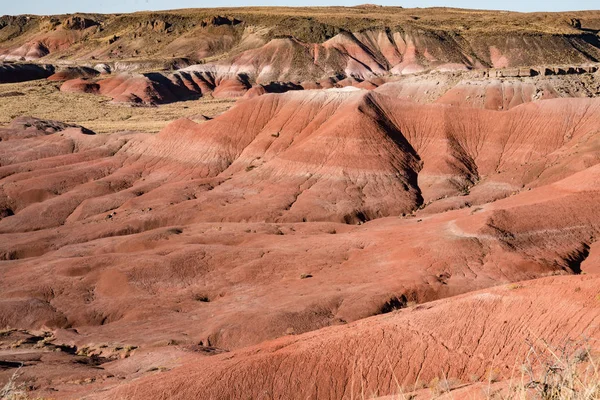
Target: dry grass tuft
x,y
11,390
568,372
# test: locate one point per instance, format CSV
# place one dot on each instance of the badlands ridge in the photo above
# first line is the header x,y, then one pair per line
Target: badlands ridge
x,y
398,201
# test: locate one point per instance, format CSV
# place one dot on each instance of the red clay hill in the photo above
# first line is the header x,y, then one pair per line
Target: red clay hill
x,y
348,229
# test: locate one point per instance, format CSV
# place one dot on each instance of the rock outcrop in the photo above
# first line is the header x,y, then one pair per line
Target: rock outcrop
x,y
77,22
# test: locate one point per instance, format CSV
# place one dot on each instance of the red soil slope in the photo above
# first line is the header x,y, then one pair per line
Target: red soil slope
x,y
294,212
399,196
393,353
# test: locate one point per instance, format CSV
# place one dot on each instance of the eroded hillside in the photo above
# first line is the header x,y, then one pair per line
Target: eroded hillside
x,y
329,203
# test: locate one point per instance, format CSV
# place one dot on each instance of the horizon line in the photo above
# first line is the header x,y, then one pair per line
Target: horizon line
x,y
362,6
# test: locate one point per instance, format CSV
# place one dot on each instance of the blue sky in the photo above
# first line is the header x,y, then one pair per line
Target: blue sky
x,y
111,6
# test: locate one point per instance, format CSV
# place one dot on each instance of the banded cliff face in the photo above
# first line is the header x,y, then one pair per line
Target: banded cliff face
x,y
293,44
235,53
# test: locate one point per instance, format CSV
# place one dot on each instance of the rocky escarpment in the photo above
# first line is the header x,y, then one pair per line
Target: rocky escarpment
x,y
227,53
394,39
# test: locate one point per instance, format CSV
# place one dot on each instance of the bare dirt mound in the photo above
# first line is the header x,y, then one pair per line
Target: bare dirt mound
x,y
160,88
29,127
74,73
